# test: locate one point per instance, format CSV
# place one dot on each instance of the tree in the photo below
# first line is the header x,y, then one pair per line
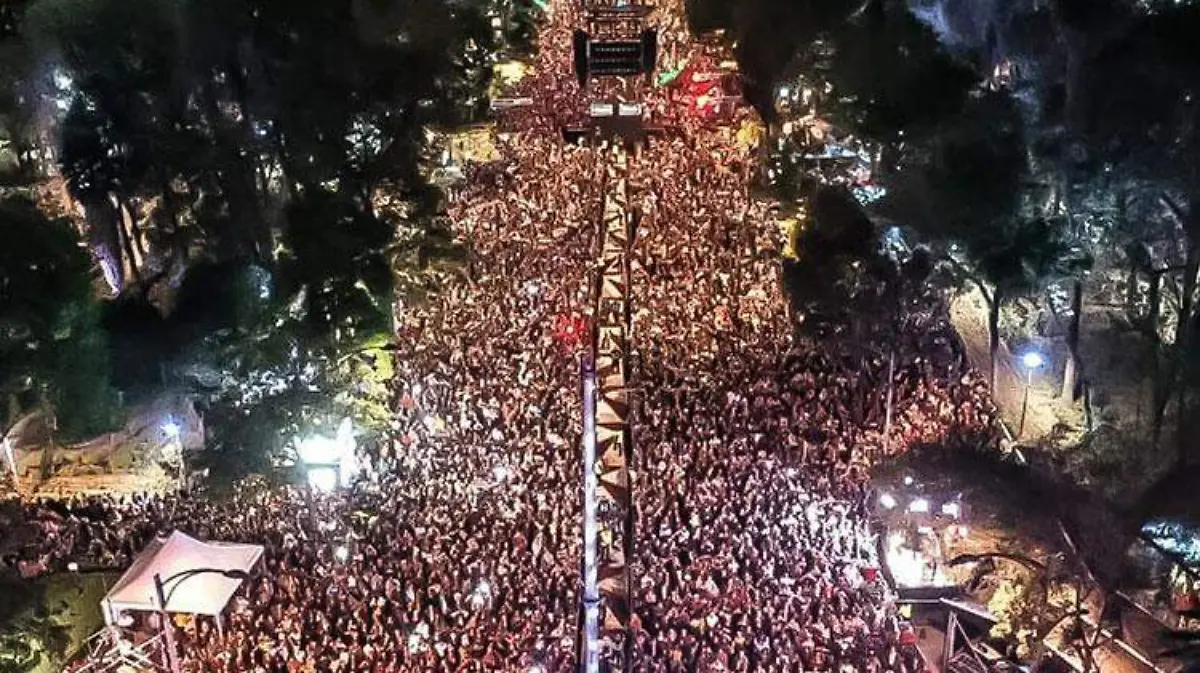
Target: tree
x,y
890,79
964,193
1137,116
849,287
53,350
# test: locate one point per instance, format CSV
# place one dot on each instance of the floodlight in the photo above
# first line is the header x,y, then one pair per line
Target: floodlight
x,y
908,480
324,479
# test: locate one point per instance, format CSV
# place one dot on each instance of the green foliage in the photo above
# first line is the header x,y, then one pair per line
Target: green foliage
x,y
52,347
336,256
891,79
845,284
521,35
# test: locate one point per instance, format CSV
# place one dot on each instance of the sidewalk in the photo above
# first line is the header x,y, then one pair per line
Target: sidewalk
x,y
1049,420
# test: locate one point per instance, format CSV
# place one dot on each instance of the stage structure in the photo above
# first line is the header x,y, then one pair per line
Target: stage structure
x,y
606,639
616,43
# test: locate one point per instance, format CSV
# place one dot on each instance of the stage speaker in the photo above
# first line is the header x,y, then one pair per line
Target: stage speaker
x,y
649,49
582,43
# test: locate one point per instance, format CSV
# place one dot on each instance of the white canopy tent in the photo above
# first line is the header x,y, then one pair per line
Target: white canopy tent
x,y
171,559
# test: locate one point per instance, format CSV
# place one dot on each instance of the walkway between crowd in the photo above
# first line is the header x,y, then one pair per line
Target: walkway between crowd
x,y
461,550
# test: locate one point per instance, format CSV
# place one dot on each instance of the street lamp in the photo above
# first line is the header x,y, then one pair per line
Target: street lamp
x,y
1031,361
163,595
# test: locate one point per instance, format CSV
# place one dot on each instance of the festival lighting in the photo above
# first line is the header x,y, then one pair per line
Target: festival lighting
x,y
952,509
73,567
887,501
1033,360
918,506
323,479
330,462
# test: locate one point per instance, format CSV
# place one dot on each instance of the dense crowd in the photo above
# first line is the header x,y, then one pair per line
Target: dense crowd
x,y
459,549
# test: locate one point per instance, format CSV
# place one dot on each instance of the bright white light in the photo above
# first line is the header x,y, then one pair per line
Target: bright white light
x,y
908,480
536,669
952,509
918,506
501,473
790,472
324,479
342,553
784,92
481,594
532,288
73,567
1033,360
886,501
319,450
171,428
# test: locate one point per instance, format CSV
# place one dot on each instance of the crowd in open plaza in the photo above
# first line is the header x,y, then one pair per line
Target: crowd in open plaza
x,y
459,548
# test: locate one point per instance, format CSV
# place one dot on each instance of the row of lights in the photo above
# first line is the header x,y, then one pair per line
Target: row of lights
x,y
921,506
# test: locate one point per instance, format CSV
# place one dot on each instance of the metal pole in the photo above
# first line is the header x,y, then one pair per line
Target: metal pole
x,y
167,624
589,661
1025,402
887,417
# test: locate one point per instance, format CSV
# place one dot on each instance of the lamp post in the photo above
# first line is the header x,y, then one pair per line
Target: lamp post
x,y
162,595
1031,361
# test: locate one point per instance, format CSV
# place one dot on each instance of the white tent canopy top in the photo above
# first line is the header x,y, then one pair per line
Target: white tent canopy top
x,y
202,593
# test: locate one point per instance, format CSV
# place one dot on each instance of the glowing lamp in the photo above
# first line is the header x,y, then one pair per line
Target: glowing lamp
x,y
1032,360
952,509
324,479
918,506
886,501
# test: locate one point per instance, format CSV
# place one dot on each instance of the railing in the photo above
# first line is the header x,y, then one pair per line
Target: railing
x,y
109,652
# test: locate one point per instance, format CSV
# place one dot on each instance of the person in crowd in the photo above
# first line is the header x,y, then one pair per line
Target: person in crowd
x,y
459,551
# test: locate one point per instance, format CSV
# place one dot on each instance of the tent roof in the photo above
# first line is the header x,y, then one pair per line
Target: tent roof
x,y
202,593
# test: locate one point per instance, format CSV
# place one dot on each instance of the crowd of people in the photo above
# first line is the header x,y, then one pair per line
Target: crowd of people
x,y
459,548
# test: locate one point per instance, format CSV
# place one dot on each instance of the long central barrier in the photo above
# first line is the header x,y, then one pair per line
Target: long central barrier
x,y
607,607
